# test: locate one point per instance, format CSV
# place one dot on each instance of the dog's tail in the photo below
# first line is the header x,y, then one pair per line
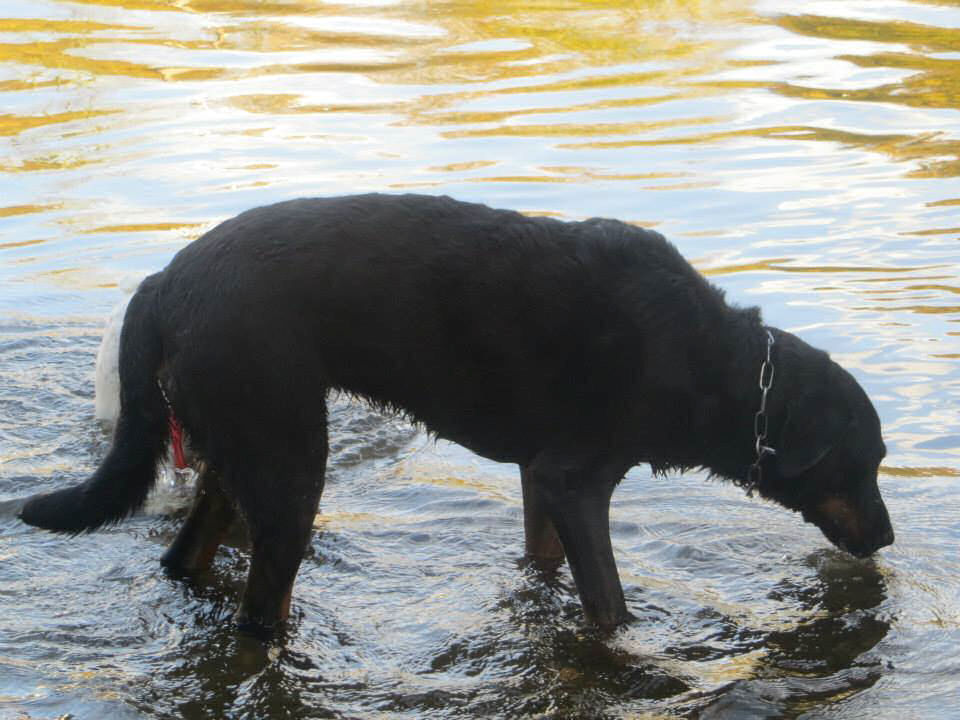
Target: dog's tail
x,y
121,484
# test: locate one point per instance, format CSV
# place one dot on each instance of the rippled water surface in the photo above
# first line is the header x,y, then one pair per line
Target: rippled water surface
x,y
804,155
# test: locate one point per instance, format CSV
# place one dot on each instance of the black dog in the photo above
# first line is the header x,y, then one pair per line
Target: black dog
x,y
575,350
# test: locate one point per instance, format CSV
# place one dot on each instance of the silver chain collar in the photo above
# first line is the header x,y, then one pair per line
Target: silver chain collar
x,y
761,421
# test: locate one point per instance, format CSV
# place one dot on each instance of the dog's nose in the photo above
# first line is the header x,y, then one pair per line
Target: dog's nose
x,y
886,538
879,540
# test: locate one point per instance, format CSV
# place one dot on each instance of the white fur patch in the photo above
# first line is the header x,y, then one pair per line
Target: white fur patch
x,y
107,382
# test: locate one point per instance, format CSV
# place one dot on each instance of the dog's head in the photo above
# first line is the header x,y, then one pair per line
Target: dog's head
x,y
829,448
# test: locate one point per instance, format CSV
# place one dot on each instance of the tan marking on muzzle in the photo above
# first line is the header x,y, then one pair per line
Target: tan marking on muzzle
x,y
843,516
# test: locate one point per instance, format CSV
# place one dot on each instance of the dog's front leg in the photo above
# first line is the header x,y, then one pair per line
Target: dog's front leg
x,y
575,491
279,504
278,543
543,548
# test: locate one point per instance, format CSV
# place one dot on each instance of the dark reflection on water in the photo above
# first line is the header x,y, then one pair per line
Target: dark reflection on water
x,y
823,657
532,657
539,665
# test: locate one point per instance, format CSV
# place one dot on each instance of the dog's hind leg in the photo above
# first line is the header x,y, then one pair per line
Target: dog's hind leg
x,y
575,490
280,513
203,530
542,544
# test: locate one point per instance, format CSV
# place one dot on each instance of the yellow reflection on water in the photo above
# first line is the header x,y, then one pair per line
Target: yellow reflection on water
x,y
47,163
13,210
15,124
142,227
918,472
22,243
515,59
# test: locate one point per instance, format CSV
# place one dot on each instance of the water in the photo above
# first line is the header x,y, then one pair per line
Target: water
x,y
807,160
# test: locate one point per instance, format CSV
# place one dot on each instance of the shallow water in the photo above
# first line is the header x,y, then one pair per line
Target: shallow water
x,y
807,160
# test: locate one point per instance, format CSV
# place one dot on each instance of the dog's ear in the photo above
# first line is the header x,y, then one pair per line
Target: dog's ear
x,y
813,427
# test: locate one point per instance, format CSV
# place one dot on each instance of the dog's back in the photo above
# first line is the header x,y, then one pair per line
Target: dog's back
x,y
494,329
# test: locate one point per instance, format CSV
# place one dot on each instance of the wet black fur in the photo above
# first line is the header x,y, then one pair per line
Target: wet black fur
x,y
517,337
